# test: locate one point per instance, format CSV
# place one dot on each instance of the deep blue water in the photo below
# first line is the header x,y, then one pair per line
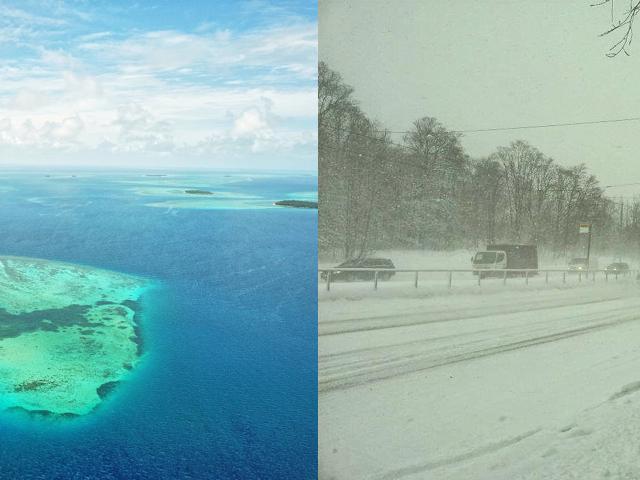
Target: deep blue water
x,y
227,388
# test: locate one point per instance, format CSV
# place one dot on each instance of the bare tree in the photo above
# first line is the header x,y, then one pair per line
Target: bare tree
x,y
428,193
623,25
485,199
521,163
352,170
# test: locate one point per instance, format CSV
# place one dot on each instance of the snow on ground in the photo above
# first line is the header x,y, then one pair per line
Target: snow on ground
x,y
530,382
401,285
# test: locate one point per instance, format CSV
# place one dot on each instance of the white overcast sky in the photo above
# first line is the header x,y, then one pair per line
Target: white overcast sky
x,y
484,64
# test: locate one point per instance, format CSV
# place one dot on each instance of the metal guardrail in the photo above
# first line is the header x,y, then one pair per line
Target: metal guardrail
x,y
504,273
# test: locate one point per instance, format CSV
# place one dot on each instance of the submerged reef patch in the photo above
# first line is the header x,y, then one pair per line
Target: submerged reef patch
x,y
68,335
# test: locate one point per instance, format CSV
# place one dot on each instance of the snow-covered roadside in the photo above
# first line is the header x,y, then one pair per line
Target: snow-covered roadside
x,y
506,385
401,285
400,292
430,259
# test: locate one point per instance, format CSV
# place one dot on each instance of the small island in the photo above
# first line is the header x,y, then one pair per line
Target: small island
x,y
297,204
198,192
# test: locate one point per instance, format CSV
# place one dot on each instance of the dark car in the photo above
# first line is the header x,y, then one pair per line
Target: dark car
x,y
577,265
372,263
618,268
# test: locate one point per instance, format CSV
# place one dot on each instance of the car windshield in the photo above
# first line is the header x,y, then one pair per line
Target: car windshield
x,y
485,257
348,264
367,263
578,261
377,262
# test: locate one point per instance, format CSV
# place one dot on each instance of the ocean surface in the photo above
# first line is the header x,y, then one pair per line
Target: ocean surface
x,y
227,385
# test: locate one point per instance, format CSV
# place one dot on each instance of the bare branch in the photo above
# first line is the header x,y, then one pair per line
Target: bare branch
x,y
624,25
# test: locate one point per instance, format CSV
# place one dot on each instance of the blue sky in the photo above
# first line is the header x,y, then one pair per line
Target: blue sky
x,y
229,84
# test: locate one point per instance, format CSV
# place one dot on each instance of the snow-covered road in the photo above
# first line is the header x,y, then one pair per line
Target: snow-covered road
x,y
511,384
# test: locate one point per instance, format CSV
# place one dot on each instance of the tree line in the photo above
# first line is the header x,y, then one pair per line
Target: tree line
x,y
426,192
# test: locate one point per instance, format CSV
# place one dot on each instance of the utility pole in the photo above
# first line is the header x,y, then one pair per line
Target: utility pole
x,y
620,241
589,248
585,228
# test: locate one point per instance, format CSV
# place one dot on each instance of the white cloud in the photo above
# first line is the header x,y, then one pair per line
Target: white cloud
x,y
27,99
22,16
138,130
94,36
255,123
250,123
185,95
58,59
62,134
65,131
289,50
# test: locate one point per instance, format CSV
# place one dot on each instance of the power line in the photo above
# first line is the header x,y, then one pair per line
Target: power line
x,y
524,127
621,185
368,156
370,137
408,163
480,130
414,165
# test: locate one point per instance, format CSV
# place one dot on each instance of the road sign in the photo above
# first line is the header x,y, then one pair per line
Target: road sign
x,y
585,228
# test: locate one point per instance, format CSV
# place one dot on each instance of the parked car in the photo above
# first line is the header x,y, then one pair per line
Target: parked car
x,y
577,265
619,268
372,263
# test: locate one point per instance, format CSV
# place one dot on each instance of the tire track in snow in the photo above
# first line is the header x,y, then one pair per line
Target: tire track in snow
x,y
381,322
501,329
346,370
490,448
